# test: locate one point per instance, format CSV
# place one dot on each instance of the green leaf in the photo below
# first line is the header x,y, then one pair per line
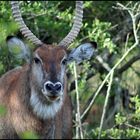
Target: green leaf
x,y
29,135
3,110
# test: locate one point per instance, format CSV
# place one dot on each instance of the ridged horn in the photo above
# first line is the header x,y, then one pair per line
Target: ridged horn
x,y
23,28
76,25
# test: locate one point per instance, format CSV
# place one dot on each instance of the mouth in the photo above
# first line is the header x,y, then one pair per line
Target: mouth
x,y
52,98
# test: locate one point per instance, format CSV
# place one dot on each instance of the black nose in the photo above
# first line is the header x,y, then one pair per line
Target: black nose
x,y
53,88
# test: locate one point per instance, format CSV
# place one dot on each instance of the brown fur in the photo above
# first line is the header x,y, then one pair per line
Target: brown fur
x,y
15,93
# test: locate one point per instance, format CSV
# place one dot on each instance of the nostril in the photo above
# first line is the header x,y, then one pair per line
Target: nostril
x,y
49,86
58,87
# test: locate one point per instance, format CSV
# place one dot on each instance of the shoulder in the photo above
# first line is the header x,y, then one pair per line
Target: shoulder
x,y
13,74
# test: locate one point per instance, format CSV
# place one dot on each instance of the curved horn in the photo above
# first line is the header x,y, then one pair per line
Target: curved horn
x,y
76,25
23,28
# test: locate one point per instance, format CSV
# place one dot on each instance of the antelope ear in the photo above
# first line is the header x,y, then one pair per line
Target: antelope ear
x,y
83,52
18,49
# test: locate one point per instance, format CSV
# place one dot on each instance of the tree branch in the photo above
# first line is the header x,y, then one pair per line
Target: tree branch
x,y
128,64
79,132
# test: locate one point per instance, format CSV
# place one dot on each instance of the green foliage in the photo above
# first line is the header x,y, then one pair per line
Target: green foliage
x,y
3,111
120,119
99,33
29,135
136,115
125,127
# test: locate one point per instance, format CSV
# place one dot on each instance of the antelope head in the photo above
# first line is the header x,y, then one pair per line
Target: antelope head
x,y
48,63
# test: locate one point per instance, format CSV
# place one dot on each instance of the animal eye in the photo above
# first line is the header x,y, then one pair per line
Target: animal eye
x,y
36,60
64,61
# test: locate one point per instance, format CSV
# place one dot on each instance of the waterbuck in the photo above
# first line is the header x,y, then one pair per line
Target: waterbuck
x,y
35,95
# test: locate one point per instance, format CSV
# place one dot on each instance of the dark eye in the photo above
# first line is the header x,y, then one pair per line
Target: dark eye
x,y
64,61
36,60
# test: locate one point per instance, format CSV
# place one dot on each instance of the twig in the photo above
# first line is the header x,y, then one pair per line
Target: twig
x,y
129,125
77,127
105,104
33,16
127,38
103,63
133,21
129,63
78,119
